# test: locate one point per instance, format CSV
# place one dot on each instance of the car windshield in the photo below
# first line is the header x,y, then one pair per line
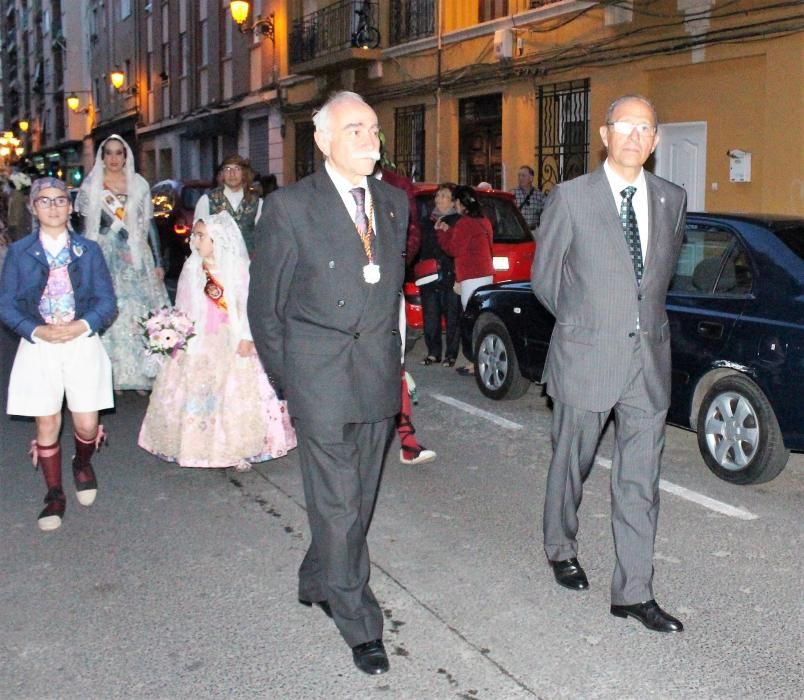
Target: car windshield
x,y
793,237
507,222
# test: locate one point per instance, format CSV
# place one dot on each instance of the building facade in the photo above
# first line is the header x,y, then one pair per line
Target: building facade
x,y
465,90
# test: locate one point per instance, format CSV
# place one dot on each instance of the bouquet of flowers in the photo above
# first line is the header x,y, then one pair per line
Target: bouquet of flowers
x,y
166,331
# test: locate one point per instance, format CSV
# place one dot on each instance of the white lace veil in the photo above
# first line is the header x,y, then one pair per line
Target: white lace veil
x,y
231,270
139,208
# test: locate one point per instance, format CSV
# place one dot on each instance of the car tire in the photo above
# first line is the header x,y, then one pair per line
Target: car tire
x,y
738,434
496,366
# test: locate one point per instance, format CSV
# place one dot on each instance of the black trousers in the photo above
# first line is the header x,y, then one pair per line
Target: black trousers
x,y
439,301
341,467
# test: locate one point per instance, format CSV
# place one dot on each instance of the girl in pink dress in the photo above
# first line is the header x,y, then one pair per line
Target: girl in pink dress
x,y
212,404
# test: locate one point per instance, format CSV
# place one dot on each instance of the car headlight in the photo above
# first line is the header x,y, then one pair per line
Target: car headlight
x,y
500,264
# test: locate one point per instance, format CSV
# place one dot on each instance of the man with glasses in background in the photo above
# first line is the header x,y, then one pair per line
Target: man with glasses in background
x,y
606,251
234,195
529,200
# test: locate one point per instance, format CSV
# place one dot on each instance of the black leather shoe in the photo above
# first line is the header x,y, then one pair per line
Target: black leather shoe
x,y
323,604
371,658
569,574
649,614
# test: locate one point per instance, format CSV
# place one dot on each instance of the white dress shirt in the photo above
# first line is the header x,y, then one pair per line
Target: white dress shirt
x,y
344,186
639,201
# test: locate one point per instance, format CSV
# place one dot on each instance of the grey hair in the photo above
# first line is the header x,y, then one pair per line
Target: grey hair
x,y
322,115
628,98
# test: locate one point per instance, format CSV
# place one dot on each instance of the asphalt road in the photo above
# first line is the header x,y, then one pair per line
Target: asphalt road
x,y
181,583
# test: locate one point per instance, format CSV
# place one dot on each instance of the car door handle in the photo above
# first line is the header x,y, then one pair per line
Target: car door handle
x,y
708,329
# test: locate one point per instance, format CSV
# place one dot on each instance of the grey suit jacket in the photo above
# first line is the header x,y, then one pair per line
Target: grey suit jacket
x,y
583,274
323,334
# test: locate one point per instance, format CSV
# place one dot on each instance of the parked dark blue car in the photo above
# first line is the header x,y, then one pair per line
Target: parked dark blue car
x,y
736,309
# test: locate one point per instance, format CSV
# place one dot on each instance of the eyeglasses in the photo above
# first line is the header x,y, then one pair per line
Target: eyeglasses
x,y
232,168
627,128
47,202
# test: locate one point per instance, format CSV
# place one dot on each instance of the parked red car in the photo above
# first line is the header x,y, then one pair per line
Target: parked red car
x,y
513,243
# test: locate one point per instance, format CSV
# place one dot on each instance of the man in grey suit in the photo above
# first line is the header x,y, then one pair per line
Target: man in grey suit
x,y
605,254
324,312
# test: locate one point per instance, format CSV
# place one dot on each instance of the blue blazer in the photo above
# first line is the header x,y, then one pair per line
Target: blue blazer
x,y
25,275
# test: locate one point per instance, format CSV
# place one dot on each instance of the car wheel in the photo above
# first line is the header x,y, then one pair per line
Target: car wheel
x,y
496,367
738,434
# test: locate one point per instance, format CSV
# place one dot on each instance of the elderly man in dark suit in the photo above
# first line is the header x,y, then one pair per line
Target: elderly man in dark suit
x,y
606,251
324,312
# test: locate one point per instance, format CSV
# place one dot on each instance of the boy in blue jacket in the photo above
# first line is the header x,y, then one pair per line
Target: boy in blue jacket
x,y
56,293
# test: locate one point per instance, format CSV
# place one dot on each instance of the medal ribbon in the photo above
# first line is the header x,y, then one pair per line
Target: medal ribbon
x,y
214,289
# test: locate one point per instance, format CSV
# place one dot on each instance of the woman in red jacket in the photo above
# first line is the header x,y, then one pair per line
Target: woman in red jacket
x,y
469,242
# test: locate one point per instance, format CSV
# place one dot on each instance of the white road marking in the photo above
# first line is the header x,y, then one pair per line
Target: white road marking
x,y
695,497
468,408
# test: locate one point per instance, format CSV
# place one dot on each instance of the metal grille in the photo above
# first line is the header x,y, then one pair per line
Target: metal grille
x,y
305,149
411,19
409,142
562,150
329,29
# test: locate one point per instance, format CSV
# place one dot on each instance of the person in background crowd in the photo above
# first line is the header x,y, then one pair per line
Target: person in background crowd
x,y
469,241
212,405
116,205
484,186
529,200
233,195
57,295
19,215
605,254
324,313
439,300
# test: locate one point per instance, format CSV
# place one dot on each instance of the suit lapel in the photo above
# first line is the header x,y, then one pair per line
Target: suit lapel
x,y
657,215
610,218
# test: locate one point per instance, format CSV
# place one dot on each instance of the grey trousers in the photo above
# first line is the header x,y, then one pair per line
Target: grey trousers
x,y
341,467
639,440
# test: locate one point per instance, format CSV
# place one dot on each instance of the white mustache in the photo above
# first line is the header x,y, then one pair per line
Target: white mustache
x,y
374,155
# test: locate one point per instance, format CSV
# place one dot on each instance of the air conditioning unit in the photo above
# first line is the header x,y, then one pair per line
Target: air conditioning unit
x,y
504,44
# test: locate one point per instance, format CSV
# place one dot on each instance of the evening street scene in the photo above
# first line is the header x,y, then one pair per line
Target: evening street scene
x,y
401,349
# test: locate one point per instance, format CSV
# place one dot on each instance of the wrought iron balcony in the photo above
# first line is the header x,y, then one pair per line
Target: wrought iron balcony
x,y
343,32
411,19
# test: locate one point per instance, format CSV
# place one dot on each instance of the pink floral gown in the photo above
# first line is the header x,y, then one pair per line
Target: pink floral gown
x,y
212,408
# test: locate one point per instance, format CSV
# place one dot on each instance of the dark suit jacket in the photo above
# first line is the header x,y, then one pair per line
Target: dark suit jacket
x,y
324,335
583,274
25,275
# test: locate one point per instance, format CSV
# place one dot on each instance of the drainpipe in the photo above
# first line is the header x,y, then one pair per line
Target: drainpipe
x,y
440,20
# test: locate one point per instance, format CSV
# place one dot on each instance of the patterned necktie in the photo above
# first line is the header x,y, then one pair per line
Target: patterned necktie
x,y
361,220
631,231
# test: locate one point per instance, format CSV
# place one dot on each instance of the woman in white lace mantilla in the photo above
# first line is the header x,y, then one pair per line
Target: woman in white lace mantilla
x,y
116,205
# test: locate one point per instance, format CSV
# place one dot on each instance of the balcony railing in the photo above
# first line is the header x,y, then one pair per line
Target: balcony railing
x,y
411,19
331,29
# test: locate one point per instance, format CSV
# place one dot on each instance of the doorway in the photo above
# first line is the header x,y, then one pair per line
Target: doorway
x,y
681,158
480,140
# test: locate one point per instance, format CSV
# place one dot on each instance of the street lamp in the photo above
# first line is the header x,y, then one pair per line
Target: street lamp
x,y
74,103
117,77
24,125
265,26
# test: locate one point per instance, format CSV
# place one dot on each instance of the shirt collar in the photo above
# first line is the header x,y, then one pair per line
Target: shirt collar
x,y
341,183
618,183
54,245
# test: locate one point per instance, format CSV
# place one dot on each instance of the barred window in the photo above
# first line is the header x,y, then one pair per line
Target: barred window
x,y
492,9
562,150
409,142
